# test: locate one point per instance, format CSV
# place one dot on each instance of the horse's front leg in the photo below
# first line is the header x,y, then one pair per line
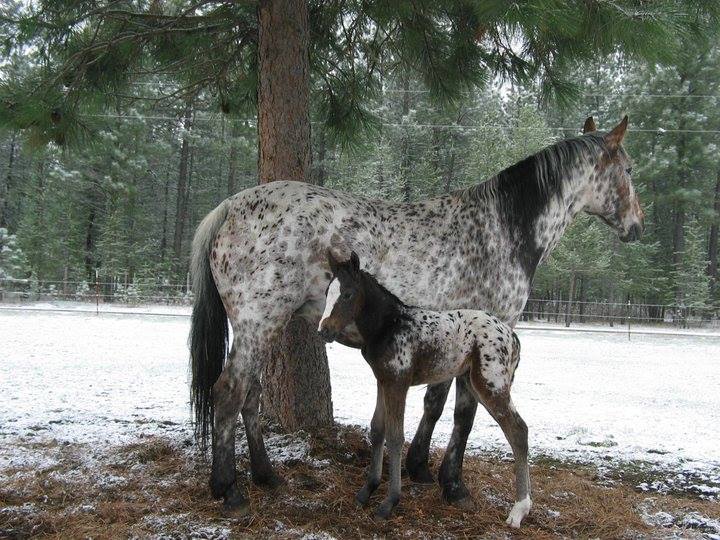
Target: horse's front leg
x,y
394,415
377,439
418,454
450,477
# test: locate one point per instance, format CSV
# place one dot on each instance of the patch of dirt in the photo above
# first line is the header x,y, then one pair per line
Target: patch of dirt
x,y
157,487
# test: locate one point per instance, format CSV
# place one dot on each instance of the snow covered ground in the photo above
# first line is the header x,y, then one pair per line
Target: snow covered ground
x,y
592,397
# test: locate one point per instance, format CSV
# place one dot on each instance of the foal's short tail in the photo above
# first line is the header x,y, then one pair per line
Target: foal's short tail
x,y
515,359
209,326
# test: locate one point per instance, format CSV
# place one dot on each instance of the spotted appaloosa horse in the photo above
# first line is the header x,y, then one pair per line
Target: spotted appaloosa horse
x,y
406,346
259,259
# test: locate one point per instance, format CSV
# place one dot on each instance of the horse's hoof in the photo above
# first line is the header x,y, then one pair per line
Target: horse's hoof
x,y
218,489
457,494
466,503
385,510
236,504
519,510
270,480
421,474
362,497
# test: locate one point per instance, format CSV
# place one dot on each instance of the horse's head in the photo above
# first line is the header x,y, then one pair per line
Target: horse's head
x,y
611,195
344,298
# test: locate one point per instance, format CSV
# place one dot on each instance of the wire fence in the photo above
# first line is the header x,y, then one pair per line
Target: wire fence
x,y
110,295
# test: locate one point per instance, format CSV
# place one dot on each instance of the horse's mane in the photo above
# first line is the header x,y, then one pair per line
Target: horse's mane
x,y
529,184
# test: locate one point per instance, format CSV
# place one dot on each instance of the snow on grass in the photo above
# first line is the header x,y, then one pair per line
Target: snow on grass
x,y
110,379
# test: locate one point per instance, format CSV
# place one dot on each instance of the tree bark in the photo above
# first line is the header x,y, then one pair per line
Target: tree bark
x,y
296,379
571,294
713,242
405,162
181,209
232,167
5,186
320,170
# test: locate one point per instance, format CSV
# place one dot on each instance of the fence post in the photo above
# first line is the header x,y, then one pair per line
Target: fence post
x,y
97,292
628,318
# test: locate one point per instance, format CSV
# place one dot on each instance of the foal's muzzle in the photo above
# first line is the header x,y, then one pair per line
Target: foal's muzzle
x,y
327,334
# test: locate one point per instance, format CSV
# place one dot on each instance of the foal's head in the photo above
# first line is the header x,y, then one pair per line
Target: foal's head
x,y
611,195
345,296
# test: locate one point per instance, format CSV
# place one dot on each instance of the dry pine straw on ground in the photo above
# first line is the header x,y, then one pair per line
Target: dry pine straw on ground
x,y
163,490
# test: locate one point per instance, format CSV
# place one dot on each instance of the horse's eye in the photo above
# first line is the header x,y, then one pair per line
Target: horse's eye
x,y
628,170
346,294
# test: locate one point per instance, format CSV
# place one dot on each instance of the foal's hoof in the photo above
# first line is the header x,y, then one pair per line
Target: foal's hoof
x,y
519,510
236,504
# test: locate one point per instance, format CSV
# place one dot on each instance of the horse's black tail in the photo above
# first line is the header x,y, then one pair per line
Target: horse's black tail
x,y
209,326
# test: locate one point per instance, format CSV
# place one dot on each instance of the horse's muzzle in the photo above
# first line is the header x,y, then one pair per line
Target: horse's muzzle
x,y
327,335
634,233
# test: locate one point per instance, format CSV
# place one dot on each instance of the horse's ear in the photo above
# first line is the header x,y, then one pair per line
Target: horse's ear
x,y
332,261
615,137
355,261
589,125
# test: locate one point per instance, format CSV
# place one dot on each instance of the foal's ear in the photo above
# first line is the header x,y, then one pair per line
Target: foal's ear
x,y
332,261
615,137
589,125
355,261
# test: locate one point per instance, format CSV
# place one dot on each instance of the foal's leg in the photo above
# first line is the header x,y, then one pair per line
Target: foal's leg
x,y
394,414
229,393
450,475
260,468
416,462
516,432
377,438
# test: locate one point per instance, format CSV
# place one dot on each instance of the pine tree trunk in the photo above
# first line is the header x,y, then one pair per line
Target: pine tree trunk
x,y
181,199
296,380
405,162
713,243
568,306
321,172
679,214
166,204
232,166
6,186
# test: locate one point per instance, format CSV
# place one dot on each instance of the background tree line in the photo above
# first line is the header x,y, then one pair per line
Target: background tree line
x,y
127,201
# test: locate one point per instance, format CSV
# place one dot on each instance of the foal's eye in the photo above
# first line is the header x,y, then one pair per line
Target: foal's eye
x,y
628,170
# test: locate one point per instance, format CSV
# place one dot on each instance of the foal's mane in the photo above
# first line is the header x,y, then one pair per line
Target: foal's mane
x,y
533,181
374,282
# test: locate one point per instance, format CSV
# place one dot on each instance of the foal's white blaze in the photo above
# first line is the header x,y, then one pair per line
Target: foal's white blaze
x,y
519,510
331,299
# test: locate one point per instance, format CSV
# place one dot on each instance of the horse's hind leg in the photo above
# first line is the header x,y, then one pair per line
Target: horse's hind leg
x,y
377,439
229,393
260,468
418,454
450,475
